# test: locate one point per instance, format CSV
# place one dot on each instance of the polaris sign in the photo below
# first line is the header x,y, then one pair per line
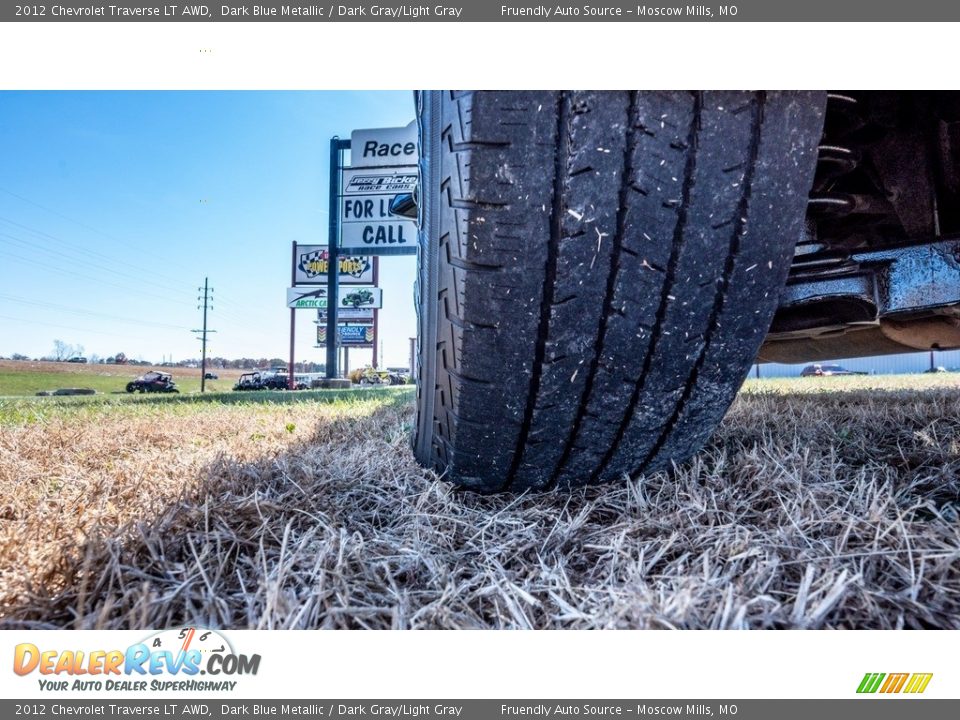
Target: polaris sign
x,y
384,147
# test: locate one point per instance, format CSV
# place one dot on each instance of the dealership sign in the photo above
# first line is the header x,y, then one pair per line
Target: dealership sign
x,y
307,298
311,262
348,335
360,299
365,218
348,314
384,147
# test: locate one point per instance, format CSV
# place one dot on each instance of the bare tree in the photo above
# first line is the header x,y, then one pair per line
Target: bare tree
x,y
61,350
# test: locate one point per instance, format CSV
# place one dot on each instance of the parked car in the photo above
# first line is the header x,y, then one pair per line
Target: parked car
x,y
153,381
77,360
211,376
818,370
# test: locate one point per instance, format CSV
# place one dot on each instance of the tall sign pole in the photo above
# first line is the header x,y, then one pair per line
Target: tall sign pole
x,y
383,167
293,314
337,147
376,324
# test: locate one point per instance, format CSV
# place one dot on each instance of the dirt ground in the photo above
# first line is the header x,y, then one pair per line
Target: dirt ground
x,y
814,506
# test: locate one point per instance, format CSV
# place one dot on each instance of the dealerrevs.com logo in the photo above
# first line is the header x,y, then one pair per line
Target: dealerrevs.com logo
x,y
889,683
169,660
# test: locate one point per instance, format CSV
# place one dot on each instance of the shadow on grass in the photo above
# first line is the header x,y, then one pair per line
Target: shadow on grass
x,y
802,511
147,572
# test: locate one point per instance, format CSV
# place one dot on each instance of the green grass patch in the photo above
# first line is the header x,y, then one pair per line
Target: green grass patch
x,y
13,383
29,410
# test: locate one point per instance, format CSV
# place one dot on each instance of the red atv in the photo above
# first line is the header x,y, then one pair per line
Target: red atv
x,y
153,382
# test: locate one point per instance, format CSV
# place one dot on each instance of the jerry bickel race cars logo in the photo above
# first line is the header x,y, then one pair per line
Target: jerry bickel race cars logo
x,y
169,660
891,683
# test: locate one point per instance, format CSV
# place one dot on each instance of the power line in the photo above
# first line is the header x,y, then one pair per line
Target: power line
x,y
85,251
125,273
232,317
99,281
70,219
75,311
57,325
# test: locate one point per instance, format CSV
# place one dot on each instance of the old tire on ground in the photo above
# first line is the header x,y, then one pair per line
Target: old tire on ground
x,y
597,273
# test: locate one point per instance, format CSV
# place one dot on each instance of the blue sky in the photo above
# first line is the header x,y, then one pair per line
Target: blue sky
x,y
115,205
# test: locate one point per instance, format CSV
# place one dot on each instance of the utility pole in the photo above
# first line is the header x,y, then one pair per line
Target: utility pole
x,y
207,299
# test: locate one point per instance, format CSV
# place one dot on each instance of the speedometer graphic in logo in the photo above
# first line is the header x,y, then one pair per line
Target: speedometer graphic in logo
x,y
182,640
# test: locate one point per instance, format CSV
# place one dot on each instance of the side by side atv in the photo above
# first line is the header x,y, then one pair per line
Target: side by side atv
x,y
261,381
372,376
358,299
599,270
153,381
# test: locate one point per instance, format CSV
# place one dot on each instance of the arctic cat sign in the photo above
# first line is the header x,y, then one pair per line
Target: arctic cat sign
x,y
384,147
307,298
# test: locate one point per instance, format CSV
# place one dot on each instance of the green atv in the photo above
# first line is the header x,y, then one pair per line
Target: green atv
x,y
358,298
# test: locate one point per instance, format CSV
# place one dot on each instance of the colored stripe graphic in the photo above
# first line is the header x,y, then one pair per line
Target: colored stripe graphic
x,y
870,682
918,682
894,683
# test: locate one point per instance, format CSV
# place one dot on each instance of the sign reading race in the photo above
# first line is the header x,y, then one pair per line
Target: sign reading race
x,y
384,147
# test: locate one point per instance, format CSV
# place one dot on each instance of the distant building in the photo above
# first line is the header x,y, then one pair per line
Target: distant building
x,y
916,362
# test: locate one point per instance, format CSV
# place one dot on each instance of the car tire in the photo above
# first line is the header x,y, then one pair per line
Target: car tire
x,y
597,273
131,387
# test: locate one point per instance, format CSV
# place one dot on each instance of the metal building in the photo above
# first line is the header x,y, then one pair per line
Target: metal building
x,y
917,362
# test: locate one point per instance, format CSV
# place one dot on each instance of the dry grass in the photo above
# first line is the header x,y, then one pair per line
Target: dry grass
x,y
807,510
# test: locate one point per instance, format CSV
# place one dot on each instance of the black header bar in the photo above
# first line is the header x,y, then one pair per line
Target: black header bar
x,y
482,11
